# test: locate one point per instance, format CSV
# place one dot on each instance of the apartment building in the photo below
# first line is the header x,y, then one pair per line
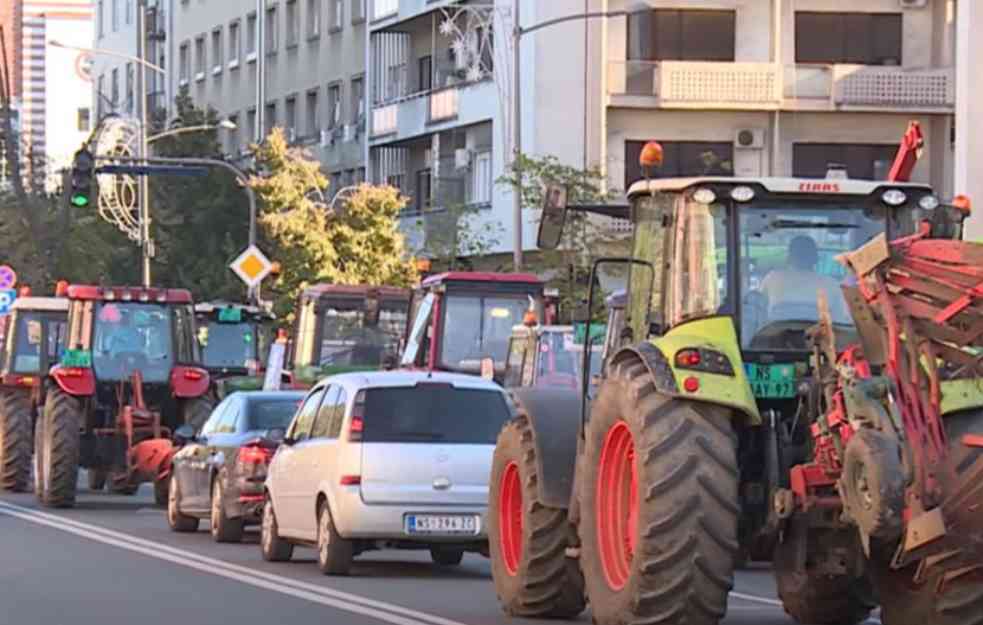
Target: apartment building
x,y
297,64
778,87
49,85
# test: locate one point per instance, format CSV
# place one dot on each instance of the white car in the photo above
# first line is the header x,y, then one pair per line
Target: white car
x,y
386,459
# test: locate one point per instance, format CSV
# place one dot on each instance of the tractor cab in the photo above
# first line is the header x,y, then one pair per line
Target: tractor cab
x,y
33,340
340,328
458,320
235,341
551,356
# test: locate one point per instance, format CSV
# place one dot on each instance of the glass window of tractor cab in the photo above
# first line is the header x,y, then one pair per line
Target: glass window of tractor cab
x,y
674,230
131,336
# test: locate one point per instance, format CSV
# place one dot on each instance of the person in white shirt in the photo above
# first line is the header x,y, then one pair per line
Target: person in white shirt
x,y
792,290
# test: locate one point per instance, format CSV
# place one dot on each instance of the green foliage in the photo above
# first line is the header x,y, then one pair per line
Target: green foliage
x,y
585,237
359,244
456,233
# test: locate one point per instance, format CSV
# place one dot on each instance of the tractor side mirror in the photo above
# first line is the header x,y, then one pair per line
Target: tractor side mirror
x,y
183,435
553,218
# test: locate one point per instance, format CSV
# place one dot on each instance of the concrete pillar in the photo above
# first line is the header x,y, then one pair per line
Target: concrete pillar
x,y
969,111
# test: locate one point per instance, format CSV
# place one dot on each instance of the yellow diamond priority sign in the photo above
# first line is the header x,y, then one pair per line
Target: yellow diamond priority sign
x,y
252,266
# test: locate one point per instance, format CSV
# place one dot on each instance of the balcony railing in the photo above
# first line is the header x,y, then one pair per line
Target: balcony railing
x,y
683,84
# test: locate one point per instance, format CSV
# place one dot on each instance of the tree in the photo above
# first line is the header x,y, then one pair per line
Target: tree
x,y
585,237
359,244
456,233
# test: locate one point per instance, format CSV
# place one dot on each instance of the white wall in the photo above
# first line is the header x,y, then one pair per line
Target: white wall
x,y
969,111
66,91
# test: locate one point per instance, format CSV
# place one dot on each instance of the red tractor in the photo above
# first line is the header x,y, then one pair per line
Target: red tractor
x,y
131,373
462,321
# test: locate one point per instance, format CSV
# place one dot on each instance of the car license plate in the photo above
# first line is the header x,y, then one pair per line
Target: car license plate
x,y
442,524
771,381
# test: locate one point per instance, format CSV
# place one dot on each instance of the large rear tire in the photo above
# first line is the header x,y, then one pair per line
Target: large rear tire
x,y
659,505
527,539
15,442
812,596
59,447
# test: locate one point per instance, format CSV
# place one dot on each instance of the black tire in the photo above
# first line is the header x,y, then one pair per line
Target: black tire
x,y
686,484
96,479
59,446
224,529
15,442
196,411
334,553
546,583
176,520
873,484
161,492
907,603
274,548
446,556
812,596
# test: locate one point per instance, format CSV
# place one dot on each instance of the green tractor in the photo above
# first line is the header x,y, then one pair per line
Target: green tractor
x,y
643,496
235,342
340,328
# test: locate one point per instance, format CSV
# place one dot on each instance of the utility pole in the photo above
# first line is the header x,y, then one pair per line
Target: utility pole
x,y
516,139
146,245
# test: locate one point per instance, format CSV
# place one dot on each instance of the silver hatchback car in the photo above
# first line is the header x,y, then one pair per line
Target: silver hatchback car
x,y
395,459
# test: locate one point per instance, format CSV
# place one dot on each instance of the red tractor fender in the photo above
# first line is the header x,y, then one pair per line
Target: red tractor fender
x,y
189,382
77,381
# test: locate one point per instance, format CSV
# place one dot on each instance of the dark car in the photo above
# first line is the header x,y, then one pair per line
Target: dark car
x,y
218,473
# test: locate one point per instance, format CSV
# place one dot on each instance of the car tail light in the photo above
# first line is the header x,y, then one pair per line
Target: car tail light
x,y
252,455
350,480
357,424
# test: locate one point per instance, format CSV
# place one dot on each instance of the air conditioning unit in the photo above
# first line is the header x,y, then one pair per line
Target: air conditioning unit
x,y
913,4
749,138
462,158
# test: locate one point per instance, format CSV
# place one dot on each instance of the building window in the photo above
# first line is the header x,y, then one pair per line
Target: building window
x,y
358,11
313,19
336,14
425,68
251,123
863,161
293,23
235,44
84,119
358,101
682,35
184,59
269,30
270,118
334,106
313,119
115,16
115,88
854,38
129,11
251,25
200,57
290,117
130,88
217,51
481,179
682,159
423,199
100,16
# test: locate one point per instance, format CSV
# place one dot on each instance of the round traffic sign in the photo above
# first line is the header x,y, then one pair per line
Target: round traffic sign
x,y
83,66
8,277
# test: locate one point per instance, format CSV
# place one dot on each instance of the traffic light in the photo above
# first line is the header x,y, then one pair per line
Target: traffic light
x,y
83,178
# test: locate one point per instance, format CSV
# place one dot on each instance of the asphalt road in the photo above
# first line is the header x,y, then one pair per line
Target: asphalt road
x,y
112,561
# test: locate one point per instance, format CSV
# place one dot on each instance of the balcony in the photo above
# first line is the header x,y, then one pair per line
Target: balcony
x,y
393,11
431,111
756,86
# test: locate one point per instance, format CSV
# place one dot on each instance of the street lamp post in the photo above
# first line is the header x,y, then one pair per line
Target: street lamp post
x,y
224,124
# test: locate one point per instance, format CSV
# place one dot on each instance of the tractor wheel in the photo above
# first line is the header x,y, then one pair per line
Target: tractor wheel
x,y
59,447
97,479
15,442
814,596
195,412
907,603
659,504
873,484
528,540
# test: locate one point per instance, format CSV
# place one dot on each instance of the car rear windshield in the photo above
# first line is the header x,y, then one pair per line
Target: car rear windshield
x,y
433,414
266,414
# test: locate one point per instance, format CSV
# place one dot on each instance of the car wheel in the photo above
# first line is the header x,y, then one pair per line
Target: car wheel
x,y
224,529
446,556
274,548
334,553
177,521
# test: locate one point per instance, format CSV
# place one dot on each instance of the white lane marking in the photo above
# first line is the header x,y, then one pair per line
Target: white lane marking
x,y
381,610
756,599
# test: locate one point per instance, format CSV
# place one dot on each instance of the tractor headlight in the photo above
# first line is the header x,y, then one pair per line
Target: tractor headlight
x,y
705,196
742,194
894,197
928,203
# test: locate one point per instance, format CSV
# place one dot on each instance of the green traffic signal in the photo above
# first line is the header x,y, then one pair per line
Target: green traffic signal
x,y
82,178
80,200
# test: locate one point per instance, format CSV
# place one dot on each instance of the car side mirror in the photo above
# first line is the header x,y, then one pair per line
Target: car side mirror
x,y
184,434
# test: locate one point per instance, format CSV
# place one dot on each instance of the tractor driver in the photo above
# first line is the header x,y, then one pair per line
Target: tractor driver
x,y
122,336
791,291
